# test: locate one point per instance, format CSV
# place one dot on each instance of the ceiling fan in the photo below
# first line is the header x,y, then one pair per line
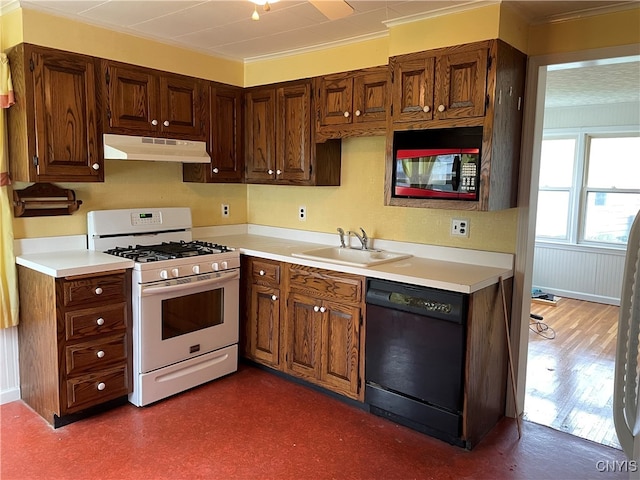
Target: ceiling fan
x,y
332,9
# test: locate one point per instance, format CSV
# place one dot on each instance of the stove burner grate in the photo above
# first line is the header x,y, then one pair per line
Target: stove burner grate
x,y
168,250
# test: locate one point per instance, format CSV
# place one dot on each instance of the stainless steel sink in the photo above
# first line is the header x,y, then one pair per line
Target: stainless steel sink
x,y
351,256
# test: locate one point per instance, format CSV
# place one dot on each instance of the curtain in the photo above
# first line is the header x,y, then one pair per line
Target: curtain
x,y
8,280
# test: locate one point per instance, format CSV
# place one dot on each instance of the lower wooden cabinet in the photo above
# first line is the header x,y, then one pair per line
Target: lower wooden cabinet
x,y
315,333
74,341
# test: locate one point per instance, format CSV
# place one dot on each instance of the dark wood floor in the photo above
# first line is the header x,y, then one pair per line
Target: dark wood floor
x,y
570,377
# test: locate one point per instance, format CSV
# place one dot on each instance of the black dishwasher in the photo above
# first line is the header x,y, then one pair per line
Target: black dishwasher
x,y
414,356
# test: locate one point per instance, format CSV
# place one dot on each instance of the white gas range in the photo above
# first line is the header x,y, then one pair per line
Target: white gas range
x,y
185,297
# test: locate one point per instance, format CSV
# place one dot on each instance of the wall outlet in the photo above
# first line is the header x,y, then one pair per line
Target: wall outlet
x,y
459,227
225,210
302,213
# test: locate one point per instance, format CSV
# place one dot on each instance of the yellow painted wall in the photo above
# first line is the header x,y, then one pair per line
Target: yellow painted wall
x,y
359,202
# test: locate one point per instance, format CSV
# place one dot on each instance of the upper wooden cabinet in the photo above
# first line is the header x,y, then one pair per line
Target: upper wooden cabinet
x,y
225,141
352,103
141,101
54,131
478,85
446,86
279,140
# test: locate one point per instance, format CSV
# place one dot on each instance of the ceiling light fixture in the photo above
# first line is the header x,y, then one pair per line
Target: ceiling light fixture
x,y
266,6
255,15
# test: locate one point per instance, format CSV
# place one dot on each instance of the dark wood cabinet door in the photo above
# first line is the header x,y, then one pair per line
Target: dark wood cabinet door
x,y
293,141
461,84
413,83
303,336
264,324
340,346
260,121
371,96
68,144
182,107
227,161
335,99
132,105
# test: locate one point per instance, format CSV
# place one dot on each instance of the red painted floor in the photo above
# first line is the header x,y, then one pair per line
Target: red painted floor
x,y
255,425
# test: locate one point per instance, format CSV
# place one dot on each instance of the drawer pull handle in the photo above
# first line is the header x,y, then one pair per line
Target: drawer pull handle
x,y
100,321
101,386
100,354
274,298
262,272
323,309
441,108
316,308
98,291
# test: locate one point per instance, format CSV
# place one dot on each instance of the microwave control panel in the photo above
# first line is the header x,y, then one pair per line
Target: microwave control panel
x,y
468,177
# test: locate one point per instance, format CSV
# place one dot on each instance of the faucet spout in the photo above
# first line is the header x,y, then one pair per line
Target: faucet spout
x,y
363,238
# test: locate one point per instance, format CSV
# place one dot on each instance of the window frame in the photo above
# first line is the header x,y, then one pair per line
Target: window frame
x,y
579,190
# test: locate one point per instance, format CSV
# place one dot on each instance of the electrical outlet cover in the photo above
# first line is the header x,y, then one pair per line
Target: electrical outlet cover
x,y
459,227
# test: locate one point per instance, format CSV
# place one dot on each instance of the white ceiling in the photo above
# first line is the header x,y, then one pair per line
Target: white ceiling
x,y
225,29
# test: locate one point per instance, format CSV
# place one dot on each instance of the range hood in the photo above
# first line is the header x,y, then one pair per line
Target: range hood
x,y
125,147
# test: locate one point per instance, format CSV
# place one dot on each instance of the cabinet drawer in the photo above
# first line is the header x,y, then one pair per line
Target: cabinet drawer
x,y
325,283
85,356
98,320
95,388
264,271
106,288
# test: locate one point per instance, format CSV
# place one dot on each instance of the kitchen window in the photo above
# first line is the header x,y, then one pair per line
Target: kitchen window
x,y
589,189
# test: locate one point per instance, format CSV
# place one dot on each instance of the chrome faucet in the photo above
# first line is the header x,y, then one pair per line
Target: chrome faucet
x,y
363,238
341,233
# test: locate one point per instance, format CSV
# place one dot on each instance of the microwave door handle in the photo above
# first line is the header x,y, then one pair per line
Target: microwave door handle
x,y
455,180
224,277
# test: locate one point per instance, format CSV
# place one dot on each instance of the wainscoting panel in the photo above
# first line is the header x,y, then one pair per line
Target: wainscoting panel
x,y
9,368
592,274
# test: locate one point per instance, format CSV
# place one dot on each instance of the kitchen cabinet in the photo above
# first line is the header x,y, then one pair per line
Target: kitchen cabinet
x,y
352,103
53,128
146,102
279,141
439,87
322,328
225,141
75,342
474,85
262,323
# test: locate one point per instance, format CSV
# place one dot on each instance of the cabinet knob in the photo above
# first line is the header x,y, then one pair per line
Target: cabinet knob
x,y
316,308
358,113
215,170
96,166
165,123
154,122
98,291
100,354
441,108
101,386
274,298
426,109
346,114
323,309
278,172
100,321
262,272
270,172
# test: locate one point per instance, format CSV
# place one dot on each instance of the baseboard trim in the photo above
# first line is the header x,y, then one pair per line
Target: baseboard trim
x,y
9,395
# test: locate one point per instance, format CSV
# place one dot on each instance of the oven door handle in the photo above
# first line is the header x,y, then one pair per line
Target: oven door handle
x,y
223,278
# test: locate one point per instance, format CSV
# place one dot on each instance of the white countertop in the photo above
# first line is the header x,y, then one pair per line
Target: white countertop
x,y
443,274
72,262
454,269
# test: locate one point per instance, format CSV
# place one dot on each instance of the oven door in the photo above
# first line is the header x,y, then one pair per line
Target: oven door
x,y
186,317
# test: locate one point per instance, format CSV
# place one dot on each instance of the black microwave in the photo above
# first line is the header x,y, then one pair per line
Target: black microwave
x,y
447,173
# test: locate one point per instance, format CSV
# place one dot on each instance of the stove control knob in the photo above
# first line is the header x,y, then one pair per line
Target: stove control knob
x,y
225,265
215,266
196,269
164,274
174,272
